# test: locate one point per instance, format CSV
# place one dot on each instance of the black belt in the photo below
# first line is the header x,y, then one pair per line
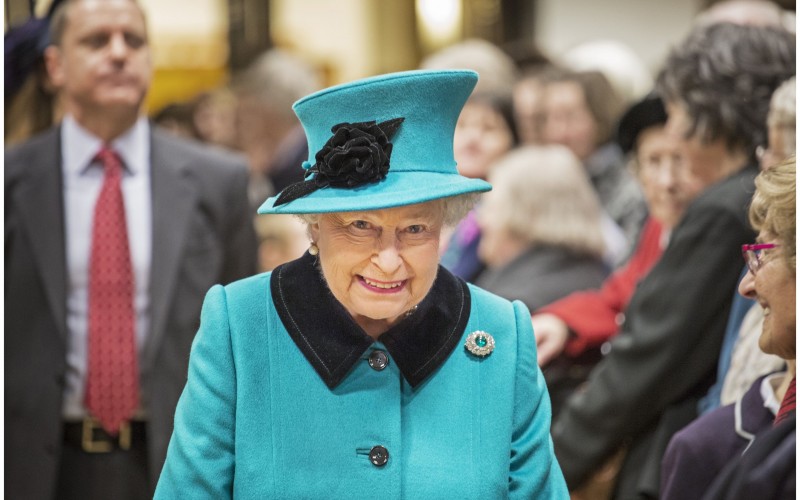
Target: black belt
x,y
89,436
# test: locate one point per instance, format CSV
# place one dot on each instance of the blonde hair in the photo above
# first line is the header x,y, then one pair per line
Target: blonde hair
x,y
544,197
773,209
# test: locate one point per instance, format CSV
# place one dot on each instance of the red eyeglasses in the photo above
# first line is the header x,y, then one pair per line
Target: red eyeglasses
x,y
752,255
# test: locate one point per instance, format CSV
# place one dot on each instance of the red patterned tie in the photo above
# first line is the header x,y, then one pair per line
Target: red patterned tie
x,y
787,405
112,388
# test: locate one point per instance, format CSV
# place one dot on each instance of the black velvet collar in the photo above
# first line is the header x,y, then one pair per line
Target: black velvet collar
x,y
332,342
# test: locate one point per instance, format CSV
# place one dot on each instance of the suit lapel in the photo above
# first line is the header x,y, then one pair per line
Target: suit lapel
x,y
173,203
42,216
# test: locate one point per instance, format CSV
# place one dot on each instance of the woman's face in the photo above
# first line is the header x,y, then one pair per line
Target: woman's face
x,y
381,263
481,137
664,175
709,162
773,286
529,109
568,120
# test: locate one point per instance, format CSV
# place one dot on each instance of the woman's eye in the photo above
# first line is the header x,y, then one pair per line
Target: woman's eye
x,y
416,229
361,224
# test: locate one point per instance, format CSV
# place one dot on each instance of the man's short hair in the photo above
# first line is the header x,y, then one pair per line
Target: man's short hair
x,y
58,20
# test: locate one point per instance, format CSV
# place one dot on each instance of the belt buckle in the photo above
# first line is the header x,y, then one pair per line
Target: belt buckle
x,y
105,445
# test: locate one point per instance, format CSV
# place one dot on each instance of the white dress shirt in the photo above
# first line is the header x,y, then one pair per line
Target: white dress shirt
x,y
83,178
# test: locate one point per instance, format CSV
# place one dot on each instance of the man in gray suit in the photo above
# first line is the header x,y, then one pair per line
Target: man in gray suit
x,y
184,225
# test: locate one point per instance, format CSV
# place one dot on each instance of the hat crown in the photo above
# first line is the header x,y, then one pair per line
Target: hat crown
x,y
393,145
428,101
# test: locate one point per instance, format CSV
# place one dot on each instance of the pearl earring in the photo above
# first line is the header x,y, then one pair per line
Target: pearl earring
x,y
313,249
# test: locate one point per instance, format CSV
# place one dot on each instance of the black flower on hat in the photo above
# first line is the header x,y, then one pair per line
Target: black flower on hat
x,y
356,154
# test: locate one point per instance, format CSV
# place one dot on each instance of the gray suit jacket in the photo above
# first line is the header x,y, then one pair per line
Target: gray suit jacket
x,y
202,235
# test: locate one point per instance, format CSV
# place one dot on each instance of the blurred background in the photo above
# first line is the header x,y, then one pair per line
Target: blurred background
x,y
200,44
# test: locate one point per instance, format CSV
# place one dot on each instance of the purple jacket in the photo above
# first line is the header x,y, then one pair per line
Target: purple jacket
x,y
699,451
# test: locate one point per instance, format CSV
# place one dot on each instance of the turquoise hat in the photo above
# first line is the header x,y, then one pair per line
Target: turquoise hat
x,y
380,142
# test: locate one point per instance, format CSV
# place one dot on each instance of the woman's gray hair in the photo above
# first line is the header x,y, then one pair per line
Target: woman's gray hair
x,y
542,195
725,75
783,105
782,117
497,70
453,209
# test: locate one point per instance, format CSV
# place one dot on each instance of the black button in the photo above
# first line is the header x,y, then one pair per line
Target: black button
x,y
378,455
378,360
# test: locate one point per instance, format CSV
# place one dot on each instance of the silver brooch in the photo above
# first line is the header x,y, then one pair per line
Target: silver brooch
x,y
479,343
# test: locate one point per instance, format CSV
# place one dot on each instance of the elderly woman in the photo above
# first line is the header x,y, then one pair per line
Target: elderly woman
x,y
542,240
364,368
581,110
698,453
541,226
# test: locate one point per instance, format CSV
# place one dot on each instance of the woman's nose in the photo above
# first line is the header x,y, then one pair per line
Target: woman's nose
x,y
747,287
387,257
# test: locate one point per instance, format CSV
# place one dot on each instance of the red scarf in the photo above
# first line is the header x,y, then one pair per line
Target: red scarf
x,y
787,405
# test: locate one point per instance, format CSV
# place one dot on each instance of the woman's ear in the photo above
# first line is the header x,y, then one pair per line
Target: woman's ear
x,y
313,231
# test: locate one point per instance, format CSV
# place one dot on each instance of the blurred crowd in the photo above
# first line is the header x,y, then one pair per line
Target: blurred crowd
x,y
617,216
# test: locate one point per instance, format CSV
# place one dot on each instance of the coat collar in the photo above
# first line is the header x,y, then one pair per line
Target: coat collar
x,y
750,414
332,342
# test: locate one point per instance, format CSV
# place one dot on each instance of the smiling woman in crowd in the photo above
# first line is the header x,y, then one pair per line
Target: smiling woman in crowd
x,y
364,367
698,453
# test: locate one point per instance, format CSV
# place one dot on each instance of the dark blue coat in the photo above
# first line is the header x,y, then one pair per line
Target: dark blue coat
x,y
698,452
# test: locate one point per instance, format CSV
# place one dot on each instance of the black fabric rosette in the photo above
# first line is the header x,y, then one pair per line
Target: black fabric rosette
x,y
356,154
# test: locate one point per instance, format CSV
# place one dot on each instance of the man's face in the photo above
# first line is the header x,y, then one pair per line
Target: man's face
x,y
103,63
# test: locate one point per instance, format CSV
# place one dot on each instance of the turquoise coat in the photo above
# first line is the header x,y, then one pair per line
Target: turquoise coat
x,y
267,414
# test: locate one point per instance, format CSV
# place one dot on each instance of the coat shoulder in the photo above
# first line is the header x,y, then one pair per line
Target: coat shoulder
x,y
19,158
486,300
499,313
732,194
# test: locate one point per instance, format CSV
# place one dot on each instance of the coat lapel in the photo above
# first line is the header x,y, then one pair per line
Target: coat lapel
x,y
41,203
173,203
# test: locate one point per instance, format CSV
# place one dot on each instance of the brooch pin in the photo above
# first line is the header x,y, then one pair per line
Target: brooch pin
x,y
479,343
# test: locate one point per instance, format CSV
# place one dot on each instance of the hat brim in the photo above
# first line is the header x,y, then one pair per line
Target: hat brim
x,y
397,189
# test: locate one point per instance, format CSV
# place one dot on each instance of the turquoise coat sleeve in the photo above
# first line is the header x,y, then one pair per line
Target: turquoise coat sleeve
x,y
201,451
534,471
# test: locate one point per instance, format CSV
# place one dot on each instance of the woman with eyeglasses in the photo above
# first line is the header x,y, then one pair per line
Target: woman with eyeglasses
x,y
696,458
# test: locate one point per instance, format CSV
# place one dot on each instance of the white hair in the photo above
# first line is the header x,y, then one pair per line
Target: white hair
x,y
453,209
542,195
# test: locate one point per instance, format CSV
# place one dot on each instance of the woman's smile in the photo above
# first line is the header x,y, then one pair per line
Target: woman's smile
x,y
382,286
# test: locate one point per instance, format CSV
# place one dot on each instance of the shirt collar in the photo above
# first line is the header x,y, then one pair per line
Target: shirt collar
x,y
79,146
769,385
332,342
